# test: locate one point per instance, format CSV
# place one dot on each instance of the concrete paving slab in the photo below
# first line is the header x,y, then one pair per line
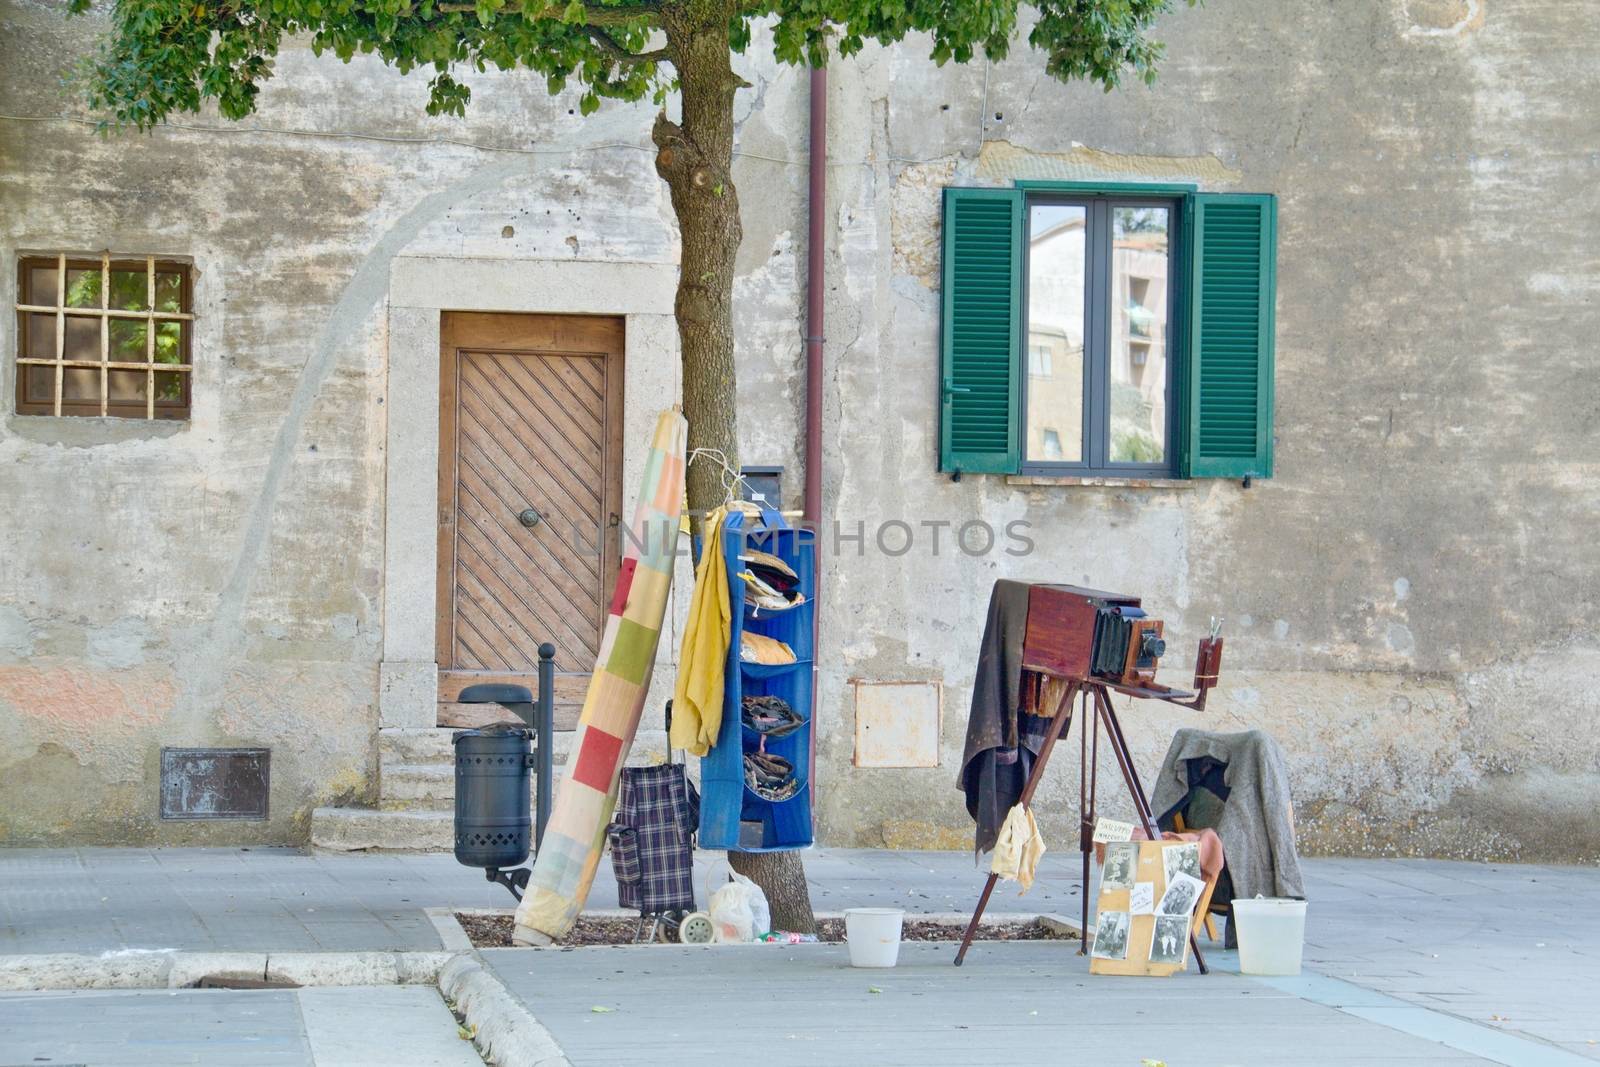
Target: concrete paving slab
x,y
359,1027
154,1028
264,899
1011,1002
348,1027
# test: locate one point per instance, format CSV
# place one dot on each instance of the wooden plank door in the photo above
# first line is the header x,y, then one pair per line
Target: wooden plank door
x,y
530,490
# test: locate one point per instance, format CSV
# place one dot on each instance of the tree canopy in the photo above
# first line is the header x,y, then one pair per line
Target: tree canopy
x,y
166,56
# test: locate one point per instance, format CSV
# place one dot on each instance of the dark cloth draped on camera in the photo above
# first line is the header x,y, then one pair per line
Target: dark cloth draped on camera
x,y
1256,817
1002,736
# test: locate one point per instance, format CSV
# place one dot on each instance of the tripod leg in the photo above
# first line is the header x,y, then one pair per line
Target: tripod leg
x,y
1085,824
1058,726
1114,727
977,916
1119,749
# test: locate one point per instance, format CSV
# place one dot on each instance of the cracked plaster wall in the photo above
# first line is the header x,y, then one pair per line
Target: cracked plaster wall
x,y
1410,603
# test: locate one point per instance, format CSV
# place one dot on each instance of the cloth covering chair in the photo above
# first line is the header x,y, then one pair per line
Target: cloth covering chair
x,y
1236,784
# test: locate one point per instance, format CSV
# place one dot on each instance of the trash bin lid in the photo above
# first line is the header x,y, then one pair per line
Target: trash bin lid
x,y
491,693
494,729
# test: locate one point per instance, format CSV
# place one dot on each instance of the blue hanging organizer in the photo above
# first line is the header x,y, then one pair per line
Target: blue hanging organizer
x,y
733,816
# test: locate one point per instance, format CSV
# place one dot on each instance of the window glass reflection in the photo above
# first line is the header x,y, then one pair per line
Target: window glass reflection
x,y
1139,319
1057,252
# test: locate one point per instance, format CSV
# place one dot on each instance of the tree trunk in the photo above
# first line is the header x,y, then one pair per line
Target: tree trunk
x,y
695,158
782,877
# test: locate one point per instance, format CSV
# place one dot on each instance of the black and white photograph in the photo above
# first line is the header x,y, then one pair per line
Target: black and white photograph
x,y
1182,859
1111,936
1121,858
1182,894
1169,939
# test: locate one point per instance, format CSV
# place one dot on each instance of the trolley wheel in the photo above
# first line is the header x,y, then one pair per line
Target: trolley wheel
x,y
696,929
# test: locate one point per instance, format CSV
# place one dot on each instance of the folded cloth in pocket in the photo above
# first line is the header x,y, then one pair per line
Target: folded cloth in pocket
x,y
759,648
772,570
758,594
770,715
770,777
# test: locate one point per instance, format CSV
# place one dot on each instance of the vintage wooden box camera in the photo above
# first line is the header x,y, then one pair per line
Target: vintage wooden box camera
x,y
1090,634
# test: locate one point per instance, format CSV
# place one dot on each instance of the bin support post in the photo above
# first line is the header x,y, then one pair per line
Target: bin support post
x,y
544,739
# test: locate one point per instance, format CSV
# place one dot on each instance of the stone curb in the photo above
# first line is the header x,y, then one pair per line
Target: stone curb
x,y
505,1032
182,970
451,935
990,918
503,1029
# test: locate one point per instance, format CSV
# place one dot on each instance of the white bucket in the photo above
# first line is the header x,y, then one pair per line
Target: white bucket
x,y
1272,933
874,935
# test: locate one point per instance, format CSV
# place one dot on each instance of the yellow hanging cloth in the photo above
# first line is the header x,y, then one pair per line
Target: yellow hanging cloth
x,y
697,699
1017,852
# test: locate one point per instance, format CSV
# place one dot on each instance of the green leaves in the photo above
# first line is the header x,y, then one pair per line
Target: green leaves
x,y
163,57
1098,40
167,56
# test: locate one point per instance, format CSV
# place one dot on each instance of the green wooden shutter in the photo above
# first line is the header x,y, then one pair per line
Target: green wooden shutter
x,y
982,291
1228,414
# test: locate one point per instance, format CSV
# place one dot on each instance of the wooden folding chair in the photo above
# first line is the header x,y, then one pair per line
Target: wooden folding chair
x,y
1202,912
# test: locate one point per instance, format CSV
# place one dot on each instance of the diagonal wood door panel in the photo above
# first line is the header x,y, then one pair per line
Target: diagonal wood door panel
x,y
530,418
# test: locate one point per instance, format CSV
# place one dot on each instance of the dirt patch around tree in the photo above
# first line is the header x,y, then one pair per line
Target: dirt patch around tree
x,y
494,931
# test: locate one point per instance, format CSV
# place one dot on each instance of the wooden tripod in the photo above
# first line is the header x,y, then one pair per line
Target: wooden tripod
x,y
1089,749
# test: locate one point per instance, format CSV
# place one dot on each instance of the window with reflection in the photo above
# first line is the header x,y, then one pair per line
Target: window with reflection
x,y
1099,318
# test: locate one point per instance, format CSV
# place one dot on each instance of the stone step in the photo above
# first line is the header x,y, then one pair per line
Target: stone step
x,y
414,747
366,829
416,786
431,786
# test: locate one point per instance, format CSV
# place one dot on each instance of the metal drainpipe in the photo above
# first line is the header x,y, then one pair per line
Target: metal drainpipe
x,y
816,207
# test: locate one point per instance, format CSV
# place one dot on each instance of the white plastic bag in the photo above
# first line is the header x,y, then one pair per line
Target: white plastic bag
x,y
739,911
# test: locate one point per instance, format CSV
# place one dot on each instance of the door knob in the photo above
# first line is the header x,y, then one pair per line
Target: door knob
x,y
530,518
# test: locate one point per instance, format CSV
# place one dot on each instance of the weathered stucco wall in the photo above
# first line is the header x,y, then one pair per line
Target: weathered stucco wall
x,y
219,582
1409,601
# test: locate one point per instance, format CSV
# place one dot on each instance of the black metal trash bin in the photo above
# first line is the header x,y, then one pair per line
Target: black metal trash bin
x,y
494,824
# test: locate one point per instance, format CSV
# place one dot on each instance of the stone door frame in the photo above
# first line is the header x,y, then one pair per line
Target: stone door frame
x,y
421,288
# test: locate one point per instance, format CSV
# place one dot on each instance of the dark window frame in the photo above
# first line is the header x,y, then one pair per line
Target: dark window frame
x,y
1098,203
178,409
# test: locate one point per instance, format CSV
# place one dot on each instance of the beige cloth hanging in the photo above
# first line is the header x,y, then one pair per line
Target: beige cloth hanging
x,y
1017,852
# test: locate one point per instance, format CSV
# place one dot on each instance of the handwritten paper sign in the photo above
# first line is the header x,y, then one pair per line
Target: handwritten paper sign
x,y
1109,830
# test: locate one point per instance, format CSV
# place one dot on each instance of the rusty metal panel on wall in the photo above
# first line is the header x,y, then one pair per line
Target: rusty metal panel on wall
x,y
898,723
215,783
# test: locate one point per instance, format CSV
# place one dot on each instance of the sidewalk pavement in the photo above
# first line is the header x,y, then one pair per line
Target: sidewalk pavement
x,y
1012,1002
338,1027
285,900
1406,960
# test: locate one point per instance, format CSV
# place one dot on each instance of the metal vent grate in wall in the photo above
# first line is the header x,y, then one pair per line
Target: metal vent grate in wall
x,y
215,783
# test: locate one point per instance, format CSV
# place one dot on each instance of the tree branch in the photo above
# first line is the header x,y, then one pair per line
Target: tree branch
x,y
593,14
610,47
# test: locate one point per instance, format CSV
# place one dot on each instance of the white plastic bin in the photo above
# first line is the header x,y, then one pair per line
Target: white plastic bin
x,y
874,935
1272,933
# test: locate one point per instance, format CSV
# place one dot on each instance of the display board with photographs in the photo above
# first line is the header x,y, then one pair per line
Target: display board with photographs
x,y
1148,894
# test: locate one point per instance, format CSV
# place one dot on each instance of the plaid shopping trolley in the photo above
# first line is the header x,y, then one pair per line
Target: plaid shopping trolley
x,y
652,841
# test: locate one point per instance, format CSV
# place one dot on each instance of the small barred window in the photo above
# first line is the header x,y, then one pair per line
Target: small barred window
x,y
104,336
